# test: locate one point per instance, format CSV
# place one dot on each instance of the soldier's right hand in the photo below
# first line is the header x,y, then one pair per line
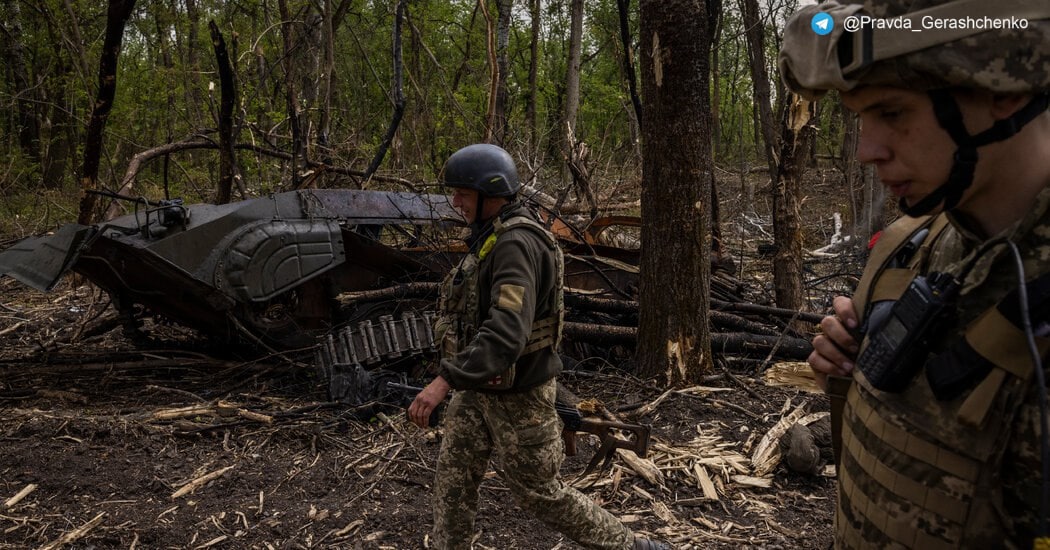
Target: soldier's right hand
x,y
427,400
835,349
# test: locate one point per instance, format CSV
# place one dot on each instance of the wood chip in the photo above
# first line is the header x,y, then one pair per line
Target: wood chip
x,y
20,495
196,483
766,455
183,412
792,374
349,528
705,482
212,542
644,467
75,534
751,481
665,514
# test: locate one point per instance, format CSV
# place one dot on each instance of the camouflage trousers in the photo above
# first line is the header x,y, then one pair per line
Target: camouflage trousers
x,y
524,431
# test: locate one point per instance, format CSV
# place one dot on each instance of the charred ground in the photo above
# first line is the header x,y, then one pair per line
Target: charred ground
x,y
181,445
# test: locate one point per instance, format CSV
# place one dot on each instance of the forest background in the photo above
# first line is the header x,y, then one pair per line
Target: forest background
x,y
673,110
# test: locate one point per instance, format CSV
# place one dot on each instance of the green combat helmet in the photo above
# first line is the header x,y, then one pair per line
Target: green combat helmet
x,y
932,46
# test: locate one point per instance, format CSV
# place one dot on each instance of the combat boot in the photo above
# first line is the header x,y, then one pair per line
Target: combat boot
x,y
649,544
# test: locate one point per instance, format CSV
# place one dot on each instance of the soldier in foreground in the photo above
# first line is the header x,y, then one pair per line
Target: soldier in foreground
x,y
502,325
943,436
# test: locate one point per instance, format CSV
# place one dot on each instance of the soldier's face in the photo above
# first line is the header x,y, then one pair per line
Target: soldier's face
x,y
466,201
900,135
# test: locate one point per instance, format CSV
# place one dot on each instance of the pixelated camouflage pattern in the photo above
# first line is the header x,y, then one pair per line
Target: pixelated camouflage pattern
x,y
1001,60
912,475
523,431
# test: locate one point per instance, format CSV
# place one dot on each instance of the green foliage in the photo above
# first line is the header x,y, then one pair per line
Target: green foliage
x,y
168,88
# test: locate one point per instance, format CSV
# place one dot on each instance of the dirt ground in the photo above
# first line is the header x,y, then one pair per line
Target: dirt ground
x,y
105,445
180,445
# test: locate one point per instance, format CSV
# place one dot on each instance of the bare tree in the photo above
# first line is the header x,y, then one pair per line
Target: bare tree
x,y
534,63
291,91
575,151
798,134
398,91
867,197
27,124
116,18
504,8
756,48
228,173
494,76
634,114
674,342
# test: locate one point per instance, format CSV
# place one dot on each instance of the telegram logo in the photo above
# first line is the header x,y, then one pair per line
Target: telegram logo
x,y
822,23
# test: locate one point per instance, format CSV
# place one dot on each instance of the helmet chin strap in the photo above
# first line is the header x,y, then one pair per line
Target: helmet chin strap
x,y
946,109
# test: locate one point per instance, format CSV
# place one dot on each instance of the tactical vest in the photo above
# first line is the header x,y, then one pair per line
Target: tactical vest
x,y
917,471
461,308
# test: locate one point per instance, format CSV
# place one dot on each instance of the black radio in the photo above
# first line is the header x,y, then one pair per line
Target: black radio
x,y
898,348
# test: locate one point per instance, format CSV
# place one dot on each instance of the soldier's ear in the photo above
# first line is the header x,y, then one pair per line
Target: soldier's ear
x,y
1005,105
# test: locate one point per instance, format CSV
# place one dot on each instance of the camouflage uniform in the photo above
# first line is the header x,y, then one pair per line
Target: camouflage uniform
x,y
921,472
510,280
930,467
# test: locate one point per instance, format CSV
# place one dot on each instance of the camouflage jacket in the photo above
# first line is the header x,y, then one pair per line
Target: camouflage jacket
x,y
918,471
494,300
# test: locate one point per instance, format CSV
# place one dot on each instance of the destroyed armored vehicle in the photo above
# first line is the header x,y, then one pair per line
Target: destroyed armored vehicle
x,y
276,272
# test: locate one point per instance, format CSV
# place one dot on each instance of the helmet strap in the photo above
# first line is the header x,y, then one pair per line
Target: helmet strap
x,y
946,109
479,210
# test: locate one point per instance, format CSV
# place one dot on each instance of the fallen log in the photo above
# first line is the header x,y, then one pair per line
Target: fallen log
x,y
786,347
607,305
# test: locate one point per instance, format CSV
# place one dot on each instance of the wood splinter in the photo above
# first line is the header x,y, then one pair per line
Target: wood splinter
x,y
196,483
20,495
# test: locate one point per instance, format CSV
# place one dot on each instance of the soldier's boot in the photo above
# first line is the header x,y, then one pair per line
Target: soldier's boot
x,y
649,544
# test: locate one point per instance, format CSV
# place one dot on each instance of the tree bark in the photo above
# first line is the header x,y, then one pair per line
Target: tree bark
x,y
716,91
116,18
675,337
798,134
291,94
228,93
572,78
575,151
534,71
28,127
499,131
783,347
494,76
327,78
399,93
623,9
756,48
634,116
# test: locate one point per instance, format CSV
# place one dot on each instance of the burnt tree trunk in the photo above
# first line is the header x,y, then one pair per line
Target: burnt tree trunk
x,y
675,337
116,17
798,134
227,102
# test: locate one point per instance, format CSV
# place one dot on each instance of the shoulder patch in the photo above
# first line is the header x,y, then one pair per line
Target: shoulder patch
x,y
511,297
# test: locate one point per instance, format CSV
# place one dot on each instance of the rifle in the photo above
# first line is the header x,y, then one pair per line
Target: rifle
x,y
574,421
